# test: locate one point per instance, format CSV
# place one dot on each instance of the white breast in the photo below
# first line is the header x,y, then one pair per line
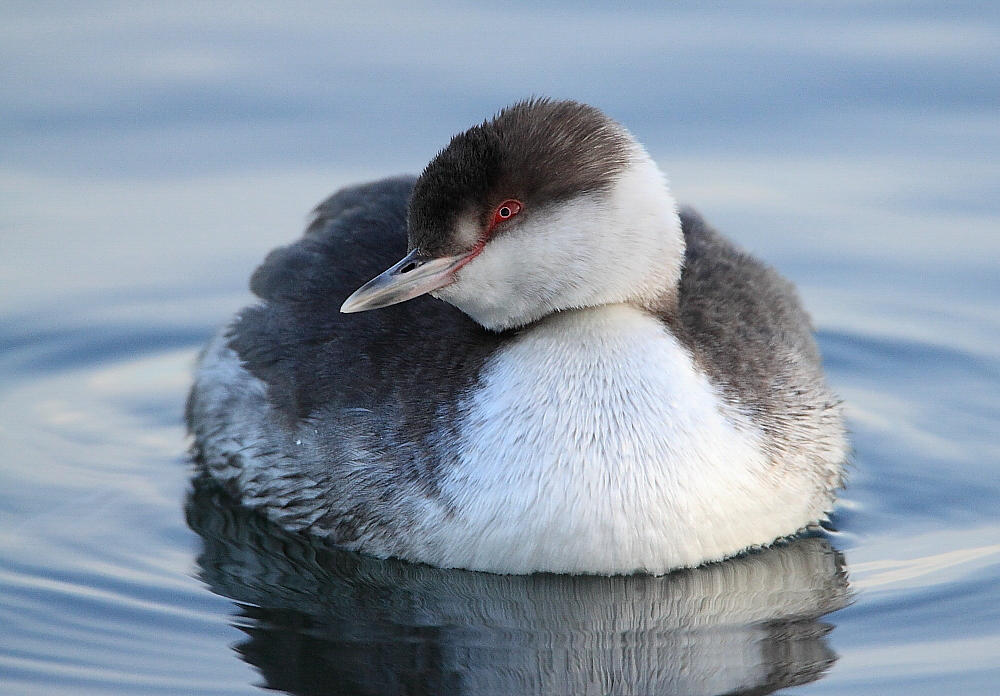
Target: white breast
x,y
595,445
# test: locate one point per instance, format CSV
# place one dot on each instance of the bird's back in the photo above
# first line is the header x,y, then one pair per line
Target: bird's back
x,y
312,357
746,328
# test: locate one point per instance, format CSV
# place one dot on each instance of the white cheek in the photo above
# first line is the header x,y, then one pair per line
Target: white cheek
x,y
621,246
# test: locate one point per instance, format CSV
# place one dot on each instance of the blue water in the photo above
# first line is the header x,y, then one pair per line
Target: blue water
x,y
151,156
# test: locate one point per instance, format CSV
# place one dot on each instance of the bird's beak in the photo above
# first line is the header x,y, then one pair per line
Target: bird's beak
x,y
413,276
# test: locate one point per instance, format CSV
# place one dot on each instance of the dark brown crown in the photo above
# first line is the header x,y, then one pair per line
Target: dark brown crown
x,y
538,151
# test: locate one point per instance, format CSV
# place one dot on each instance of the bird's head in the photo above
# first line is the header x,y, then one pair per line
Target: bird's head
x,y
549,206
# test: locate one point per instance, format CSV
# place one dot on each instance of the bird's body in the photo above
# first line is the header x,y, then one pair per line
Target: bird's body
x,y
591,422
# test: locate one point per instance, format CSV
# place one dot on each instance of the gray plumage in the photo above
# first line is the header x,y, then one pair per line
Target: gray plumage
x,y
360,394
747,329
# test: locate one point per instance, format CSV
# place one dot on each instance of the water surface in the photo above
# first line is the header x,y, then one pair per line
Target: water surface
x,y
150,157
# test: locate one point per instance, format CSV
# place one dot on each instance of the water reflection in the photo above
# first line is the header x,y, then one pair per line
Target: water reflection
x,y
322,621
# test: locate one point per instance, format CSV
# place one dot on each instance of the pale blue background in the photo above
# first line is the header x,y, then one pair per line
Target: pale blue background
x,y
150,155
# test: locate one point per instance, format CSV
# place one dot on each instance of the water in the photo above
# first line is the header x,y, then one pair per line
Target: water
x,y
149,158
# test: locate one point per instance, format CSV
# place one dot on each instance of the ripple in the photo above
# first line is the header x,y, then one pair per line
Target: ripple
x,y
96,589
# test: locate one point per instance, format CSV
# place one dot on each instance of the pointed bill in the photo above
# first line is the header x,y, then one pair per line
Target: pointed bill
x,y
412,276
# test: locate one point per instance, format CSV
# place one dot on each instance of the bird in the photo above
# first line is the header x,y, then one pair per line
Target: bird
x,y
526,359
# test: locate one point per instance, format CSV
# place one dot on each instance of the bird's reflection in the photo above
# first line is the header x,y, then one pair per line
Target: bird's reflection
x,y
323,621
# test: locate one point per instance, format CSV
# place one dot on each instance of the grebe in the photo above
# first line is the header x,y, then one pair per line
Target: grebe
x,y
568,374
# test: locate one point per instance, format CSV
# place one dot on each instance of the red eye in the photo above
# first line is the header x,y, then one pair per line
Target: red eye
x,y
505,211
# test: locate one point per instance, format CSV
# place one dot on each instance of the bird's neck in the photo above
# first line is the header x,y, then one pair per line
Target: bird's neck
x,y
650,228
